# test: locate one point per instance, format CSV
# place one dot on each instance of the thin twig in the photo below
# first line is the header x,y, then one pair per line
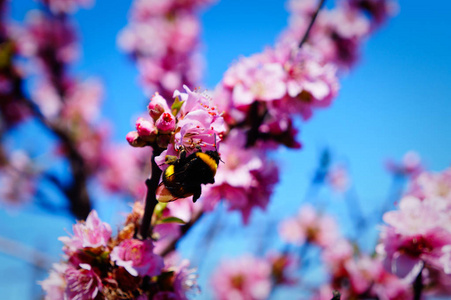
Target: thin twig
x,y
309,28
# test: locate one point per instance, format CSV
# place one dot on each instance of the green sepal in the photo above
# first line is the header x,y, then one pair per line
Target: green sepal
x,y
176,106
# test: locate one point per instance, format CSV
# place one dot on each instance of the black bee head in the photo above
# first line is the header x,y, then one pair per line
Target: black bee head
x,y
215,155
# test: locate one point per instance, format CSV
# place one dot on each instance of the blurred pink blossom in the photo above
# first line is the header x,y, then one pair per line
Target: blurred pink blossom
x,y
416,234
245,278
66,6
410,165
309,226
338,178
55,285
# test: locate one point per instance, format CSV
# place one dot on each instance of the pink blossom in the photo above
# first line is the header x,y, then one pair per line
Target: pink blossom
x,y
47,39
163,37
362,273
83,100
309,226
416,233
338,178
283,264
66,6
121,170
337,255
245,278
244,181
137,257
253,79
83,283
310,81
379,10
185,281
91,233
410,165
200,122
367,276
55,285
17,178
337,33
432,185
47,99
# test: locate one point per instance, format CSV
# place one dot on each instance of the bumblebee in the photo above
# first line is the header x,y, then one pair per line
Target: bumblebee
x,y
184,176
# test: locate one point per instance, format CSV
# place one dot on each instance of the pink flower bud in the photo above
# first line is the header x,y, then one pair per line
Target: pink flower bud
x,y
133,139
157,106
144,127
166,123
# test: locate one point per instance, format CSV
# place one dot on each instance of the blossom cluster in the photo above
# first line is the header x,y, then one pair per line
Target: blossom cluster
x,y
261,95
192,123
98,265
353,273
163,37
417,237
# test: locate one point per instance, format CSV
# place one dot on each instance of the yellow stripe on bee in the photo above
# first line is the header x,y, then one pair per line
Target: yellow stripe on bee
x,y
169,172
208,160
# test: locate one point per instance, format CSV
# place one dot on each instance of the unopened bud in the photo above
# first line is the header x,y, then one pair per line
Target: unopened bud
x,y
134,140
157,106
144,127
166,123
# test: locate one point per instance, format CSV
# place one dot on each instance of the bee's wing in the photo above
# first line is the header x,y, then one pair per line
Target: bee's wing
x,y
164,195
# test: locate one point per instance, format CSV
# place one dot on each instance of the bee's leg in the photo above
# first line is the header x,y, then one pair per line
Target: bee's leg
x,y
183,154
197,192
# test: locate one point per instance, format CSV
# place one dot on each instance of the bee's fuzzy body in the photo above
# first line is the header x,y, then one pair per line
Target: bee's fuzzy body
x,y
183,177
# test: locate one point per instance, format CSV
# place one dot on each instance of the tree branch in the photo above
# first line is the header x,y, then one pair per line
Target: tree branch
x,y
151,200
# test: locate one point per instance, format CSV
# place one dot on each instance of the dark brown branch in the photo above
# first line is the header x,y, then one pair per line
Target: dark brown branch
x,y
151,200
312,21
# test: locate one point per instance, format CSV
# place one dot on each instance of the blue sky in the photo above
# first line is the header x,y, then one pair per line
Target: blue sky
x,y
396,99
